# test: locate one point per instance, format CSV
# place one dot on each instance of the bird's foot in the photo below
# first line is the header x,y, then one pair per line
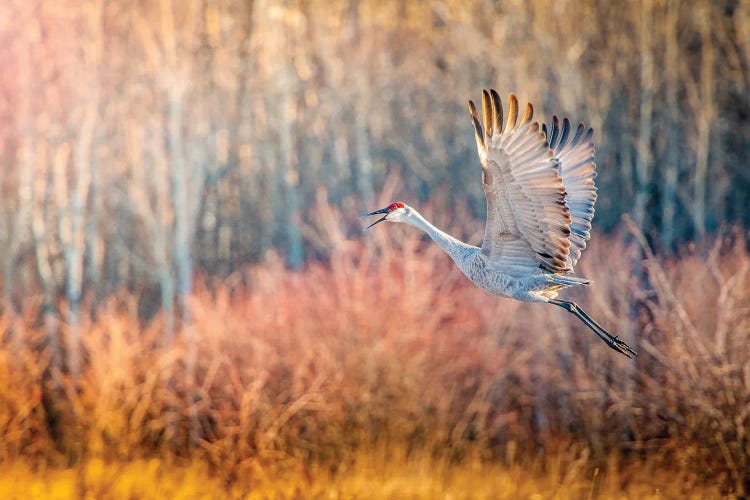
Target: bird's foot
x,y
620,345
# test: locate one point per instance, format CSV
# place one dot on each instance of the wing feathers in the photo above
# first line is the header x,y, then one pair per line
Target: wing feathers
x,y
528,113
565,131
478,132
512,113
497,112
575,158
487,116
528,220
539,186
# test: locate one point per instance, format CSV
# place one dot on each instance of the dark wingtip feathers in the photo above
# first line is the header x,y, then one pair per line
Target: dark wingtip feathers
x,y
564,132
589,134
497,112
479,133
579,133
557,134
554,133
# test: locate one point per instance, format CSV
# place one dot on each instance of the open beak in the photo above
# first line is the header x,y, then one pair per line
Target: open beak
x,y
376,212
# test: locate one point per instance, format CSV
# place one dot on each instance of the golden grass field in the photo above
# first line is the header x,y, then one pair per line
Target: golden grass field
x,y
370,476
381,372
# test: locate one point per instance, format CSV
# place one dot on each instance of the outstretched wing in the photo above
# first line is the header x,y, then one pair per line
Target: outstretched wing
x,y
528,221
577,170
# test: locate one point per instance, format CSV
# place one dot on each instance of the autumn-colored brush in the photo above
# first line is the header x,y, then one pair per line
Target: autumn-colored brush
x,y
385,343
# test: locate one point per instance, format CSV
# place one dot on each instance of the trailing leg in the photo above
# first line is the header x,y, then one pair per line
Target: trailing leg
x,y
611,340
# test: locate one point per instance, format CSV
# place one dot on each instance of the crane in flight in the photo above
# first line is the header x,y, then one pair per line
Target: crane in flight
x,y
539,185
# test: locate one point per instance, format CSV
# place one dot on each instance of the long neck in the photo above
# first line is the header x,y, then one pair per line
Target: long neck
x,y
457,249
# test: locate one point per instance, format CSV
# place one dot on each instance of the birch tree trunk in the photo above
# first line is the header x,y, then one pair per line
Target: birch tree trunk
x,y
288,167
179,175
72,179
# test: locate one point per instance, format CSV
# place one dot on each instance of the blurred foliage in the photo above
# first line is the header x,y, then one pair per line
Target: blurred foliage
x,y
387,346
141,138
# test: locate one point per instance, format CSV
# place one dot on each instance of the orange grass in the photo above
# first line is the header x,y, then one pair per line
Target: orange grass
x,y
384,345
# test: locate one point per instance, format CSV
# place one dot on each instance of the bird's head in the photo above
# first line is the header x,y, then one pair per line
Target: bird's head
x,y
395,212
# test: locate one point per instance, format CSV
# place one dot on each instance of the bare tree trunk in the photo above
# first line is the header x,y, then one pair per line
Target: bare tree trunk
x,y
364,158
178,172
671,160
239,136
52,392
166,289
71,180
643,145
182,205
40,230
647,88
93,253
72,253
148,198
87,190
704,108
187,183
288,172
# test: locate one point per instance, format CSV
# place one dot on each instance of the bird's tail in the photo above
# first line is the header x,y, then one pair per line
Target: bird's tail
x,y
568,280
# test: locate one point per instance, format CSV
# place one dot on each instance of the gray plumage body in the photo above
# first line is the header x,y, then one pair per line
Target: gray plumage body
x,y
486,275
540,191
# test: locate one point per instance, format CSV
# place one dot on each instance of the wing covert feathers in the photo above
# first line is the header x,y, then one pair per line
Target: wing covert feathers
x,y
539,187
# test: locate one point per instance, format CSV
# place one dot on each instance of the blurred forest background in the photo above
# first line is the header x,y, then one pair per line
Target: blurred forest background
x,y
147,143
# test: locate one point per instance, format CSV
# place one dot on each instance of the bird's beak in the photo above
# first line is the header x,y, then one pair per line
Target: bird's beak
x,y
376,212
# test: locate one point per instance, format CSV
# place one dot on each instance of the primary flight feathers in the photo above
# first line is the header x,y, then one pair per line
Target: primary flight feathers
x,y
539,186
